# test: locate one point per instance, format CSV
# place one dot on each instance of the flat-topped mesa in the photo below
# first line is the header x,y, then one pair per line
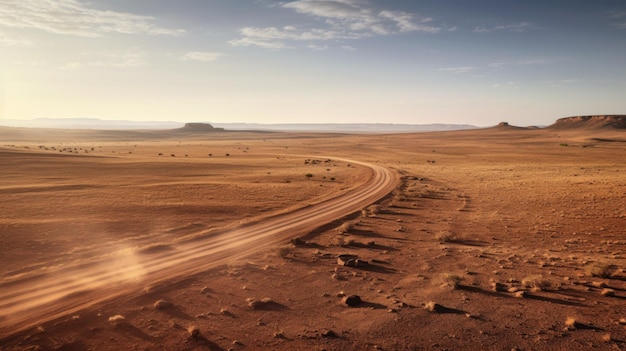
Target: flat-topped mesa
x,y
200,127
591,122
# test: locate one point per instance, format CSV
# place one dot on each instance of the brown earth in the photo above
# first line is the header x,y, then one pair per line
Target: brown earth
x,y
494,239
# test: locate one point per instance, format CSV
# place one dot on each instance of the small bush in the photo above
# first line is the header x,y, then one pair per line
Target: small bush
x,y
536,281
345,227
444,236
451,280
601,269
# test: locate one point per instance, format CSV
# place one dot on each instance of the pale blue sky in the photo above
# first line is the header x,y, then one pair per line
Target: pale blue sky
x,y
343,61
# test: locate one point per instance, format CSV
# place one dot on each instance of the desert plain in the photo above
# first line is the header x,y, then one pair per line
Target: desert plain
x,y
501,238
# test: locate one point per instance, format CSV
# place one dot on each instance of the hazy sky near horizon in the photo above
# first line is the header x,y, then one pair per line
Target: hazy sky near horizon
x,y
478,62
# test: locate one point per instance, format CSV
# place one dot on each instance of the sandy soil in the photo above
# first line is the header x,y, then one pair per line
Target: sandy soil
x,y
492,239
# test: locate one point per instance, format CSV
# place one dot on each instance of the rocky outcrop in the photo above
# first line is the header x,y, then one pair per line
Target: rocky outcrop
x,y
199,128
591,122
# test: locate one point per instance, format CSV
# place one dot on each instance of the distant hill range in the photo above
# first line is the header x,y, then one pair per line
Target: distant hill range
x,y
98,124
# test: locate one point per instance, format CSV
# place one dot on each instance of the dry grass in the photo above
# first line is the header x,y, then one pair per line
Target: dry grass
x,y
450,280
346,227
444,236
601,269
536,282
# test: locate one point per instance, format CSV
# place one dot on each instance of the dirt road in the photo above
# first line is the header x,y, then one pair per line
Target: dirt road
x,y
30,300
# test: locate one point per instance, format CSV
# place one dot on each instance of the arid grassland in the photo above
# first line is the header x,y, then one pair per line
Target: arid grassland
x,y
502,238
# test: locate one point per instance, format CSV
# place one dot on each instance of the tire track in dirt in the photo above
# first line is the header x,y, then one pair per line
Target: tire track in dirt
x,y
33,300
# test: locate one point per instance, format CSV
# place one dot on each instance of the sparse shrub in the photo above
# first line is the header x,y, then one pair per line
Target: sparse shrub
x,y
433,307
444,236
451,280
284,252
374,210
345,227
601,269
309,175
536,281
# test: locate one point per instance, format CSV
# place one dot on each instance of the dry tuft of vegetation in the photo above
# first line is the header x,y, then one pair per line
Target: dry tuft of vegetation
x,y
536,282
434,307
450,280
444,236
601,269
345,228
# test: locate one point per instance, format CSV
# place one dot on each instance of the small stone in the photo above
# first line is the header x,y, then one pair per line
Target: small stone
x,y
329,334
352,300
193,331
162,304
607,292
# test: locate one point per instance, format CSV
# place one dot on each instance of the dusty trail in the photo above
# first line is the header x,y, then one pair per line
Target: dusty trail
x,y
32,300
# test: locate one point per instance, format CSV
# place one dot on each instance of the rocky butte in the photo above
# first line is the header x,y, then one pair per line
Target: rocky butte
x,y
591,122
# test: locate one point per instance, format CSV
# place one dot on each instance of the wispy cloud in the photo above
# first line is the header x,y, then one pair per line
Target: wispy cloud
x,y
496,65
512,27
202,56
337,20
509,84
618,19
316,47
500,64
463,69
72,17
126,60
7,40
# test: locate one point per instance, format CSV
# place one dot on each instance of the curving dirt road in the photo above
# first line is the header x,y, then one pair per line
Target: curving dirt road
x,y
32,300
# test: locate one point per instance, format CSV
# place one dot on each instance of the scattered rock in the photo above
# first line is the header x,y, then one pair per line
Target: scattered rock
x,y
434,307
607,292
298,242
351,300
329,334
498,287
117,318
193,331
520,294
162,304
351,261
